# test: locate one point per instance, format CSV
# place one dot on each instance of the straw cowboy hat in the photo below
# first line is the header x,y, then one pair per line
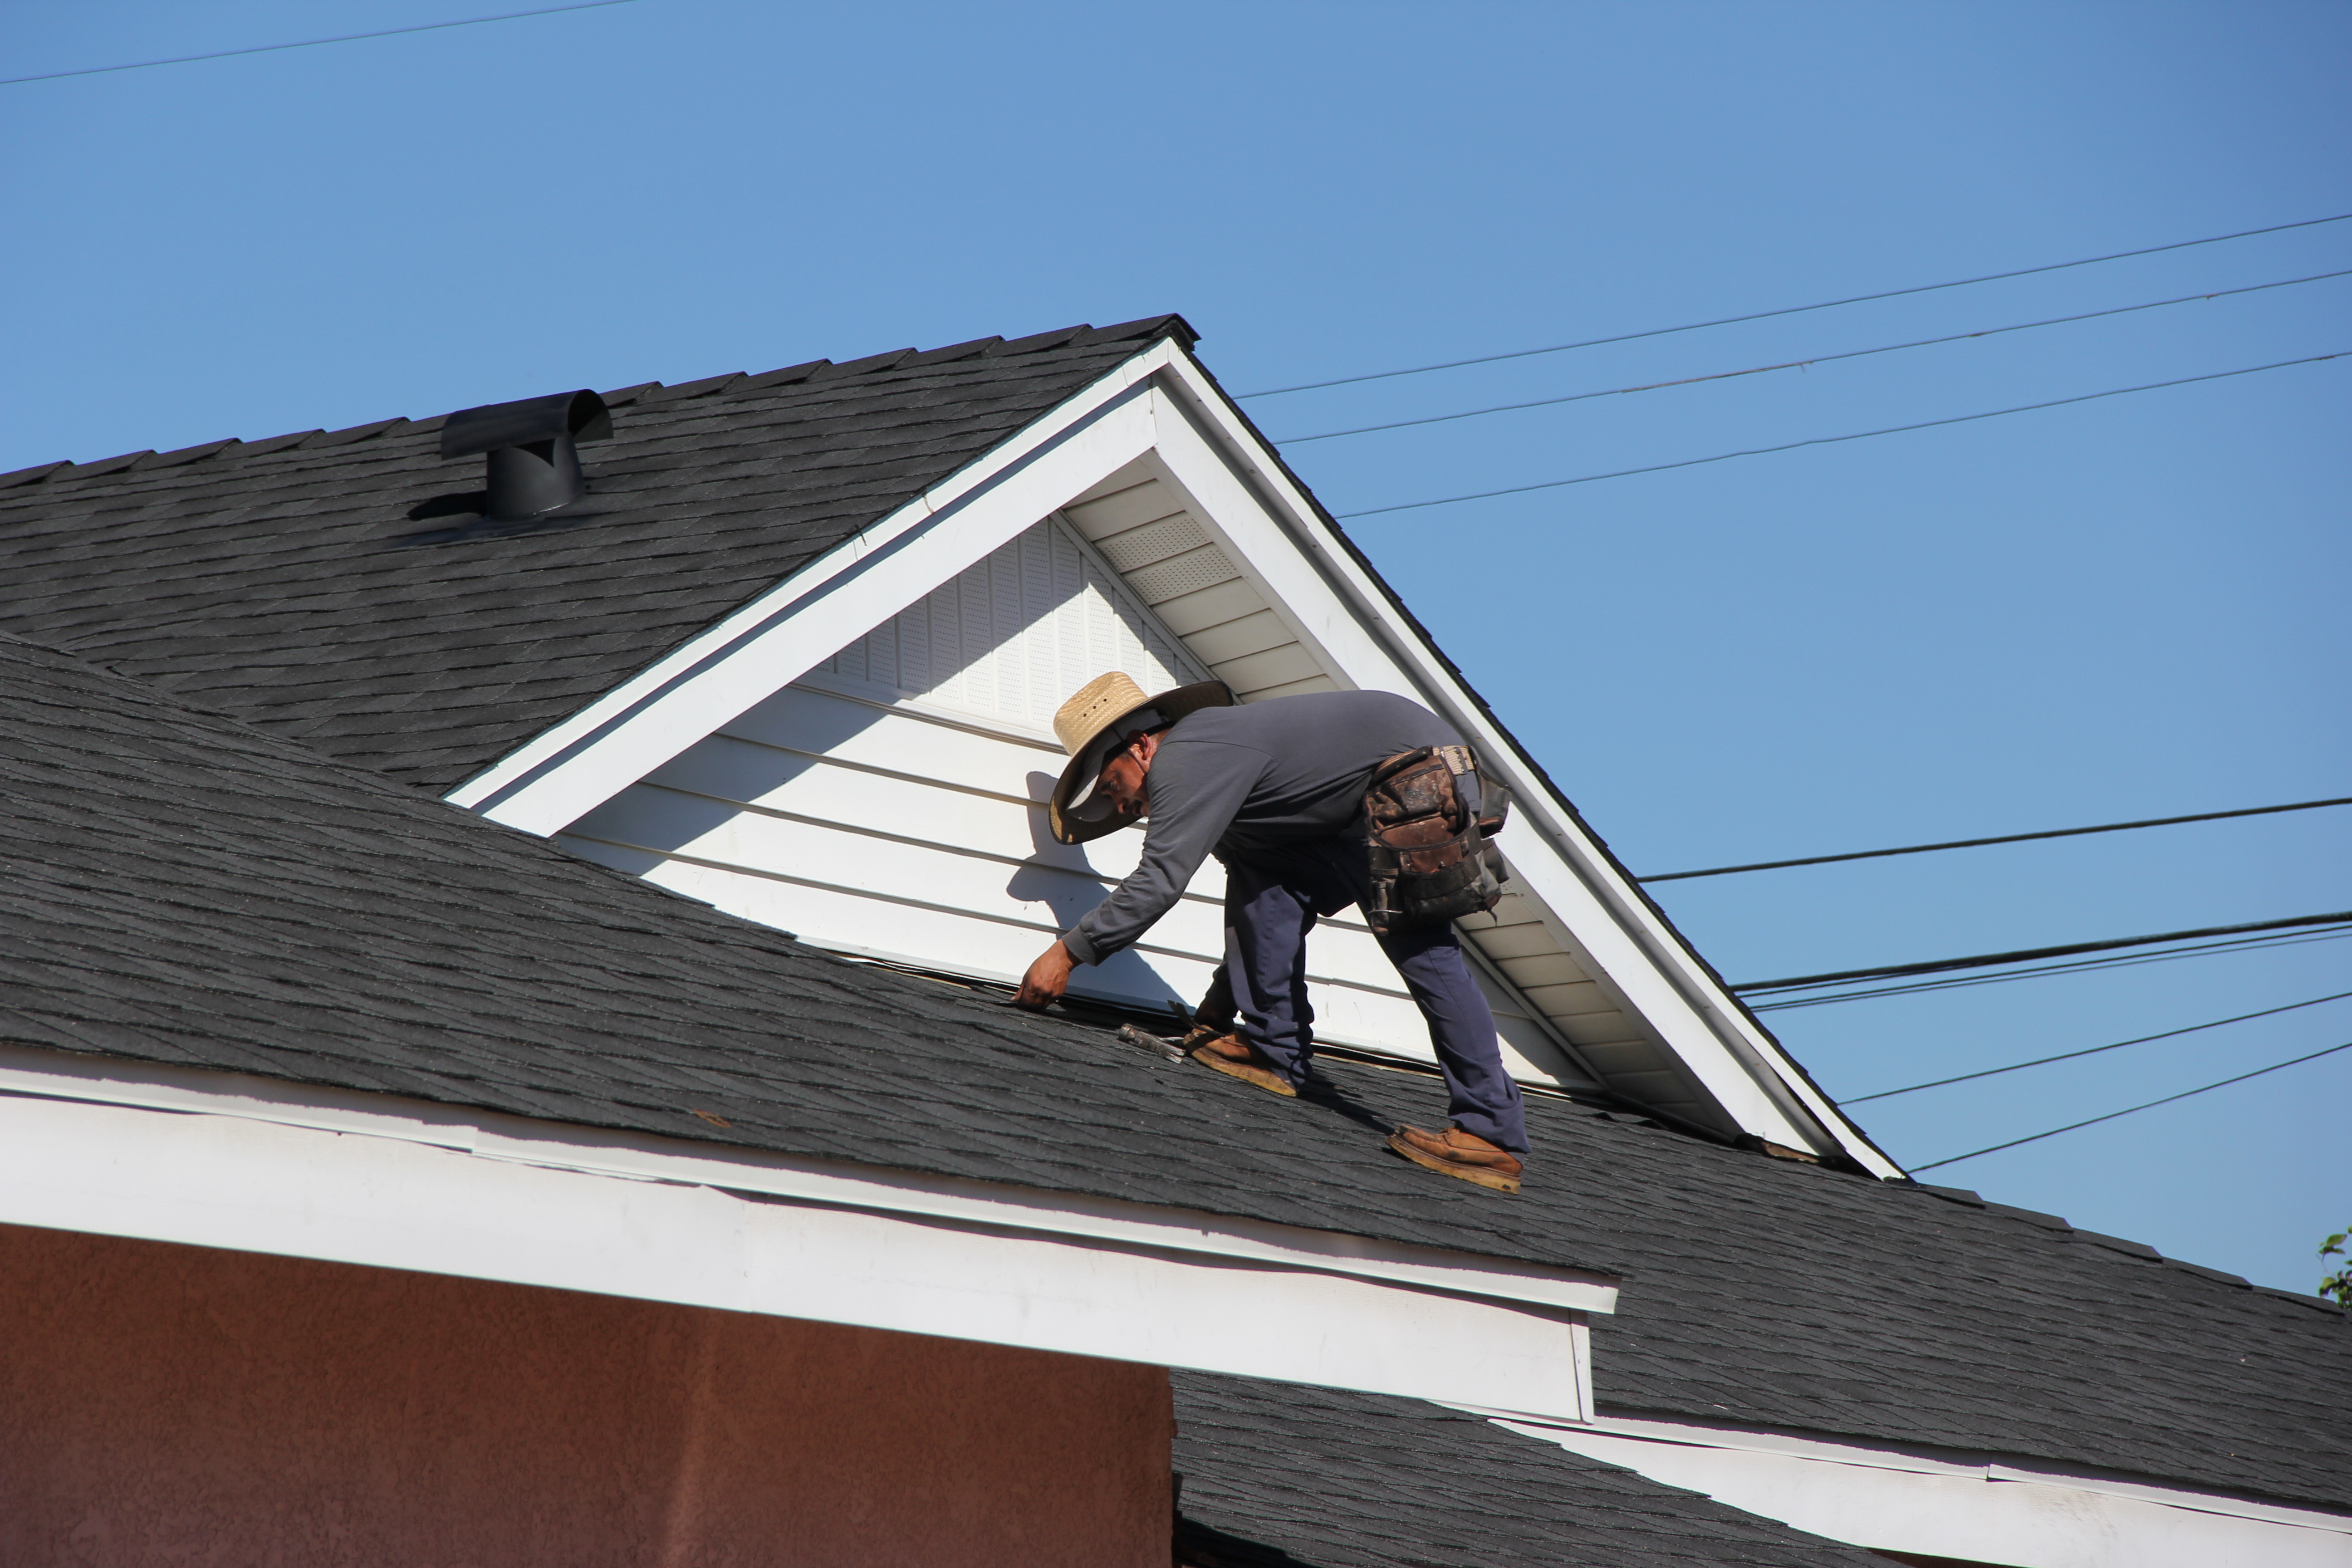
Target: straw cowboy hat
x,y
1091,726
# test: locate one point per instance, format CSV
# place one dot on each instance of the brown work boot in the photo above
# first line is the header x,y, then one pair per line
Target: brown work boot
x,y
1458,1153
1236,1057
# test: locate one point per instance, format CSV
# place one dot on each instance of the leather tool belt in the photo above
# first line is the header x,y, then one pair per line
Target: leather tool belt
x,y
1432,860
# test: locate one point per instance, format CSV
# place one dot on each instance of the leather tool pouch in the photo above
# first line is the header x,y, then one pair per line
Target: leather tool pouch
x,y
1433,861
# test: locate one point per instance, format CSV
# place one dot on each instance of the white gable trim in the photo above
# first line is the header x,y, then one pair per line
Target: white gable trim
x,y
1159,411
1977,1507
785,633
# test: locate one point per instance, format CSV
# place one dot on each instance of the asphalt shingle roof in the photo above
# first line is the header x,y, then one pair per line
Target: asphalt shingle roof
x,y
339,587
185,887
333,586
1281,1476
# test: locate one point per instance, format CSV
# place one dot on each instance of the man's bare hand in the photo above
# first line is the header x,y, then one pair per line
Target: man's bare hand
x,y
1048,978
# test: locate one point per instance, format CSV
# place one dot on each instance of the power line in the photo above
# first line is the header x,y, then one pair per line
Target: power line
x,y
1803,363
2113,961
2093,1051
1792,309
309,43
2024,955
2004,838
2128,1111
1831,440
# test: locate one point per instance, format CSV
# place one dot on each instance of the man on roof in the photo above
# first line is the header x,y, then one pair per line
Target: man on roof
x,y
1278,791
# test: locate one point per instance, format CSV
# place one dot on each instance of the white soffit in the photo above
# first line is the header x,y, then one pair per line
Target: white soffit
x,y
1587,946
1977,1508
196,1158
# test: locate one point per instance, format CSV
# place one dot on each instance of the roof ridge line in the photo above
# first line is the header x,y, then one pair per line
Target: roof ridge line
x,y
728,384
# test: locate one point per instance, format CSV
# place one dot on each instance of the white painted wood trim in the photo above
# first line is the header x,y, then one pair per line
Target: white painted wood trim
x,y
257,1186
1581,1332
776,638
1968,1506
1210,458
33,1076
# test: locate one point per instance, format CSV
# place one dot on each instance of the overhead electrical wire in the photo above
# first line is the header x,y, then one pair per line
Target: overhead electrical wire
x,y
1792,309
1804,364
2003,838
311,43
2078,966
2093,1051
2025,955
2131,1109
1830,440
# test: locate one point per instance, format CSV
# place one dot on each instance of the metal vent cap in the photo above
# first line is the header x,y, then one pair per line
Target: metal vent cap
x,y
533,442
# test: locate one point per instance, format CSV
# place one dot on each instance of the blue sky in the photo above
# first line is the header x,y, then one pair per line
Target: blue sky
x,y
2126,609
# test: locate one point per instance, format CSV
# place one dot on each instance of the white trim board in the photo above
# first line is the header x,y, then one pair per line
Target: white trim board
x,y
220,1160
1980,1507
1159,416
806,619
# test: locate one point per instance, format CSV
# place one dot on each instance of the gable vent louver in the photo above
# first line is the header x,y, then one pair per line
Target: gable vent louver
x,y
534,455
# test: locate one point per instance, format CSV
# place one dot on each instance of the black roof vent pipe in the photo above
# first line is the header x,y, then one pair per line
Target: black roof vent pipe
x,y
534,446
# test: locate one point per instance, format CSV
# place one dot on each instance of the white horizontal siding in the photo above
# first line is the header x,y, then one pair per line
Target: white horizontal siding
x,y
884,829
892,803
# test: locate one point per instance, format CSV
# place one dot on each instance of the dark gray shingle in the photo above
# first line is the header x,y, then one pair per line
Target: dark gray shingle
x,y
1282,1477
186,888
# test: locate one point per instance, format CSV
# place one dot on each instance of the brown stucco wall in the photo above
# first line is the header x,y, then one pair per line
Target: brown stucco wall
x,y
163,1404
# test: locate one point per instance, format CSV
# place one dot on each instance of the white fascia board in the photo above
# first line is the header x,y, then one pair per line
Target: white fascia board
x,y
271,1187
1335,606
1952,1505
1079,1218
608,745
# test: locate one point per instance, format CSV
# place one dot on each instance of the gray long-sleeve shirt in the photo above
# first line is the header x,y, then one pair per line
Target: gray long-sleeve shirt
x,y
1232,779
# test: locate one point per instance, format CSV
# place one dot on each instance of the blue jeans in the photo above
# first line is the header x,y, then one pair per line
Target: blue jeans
x,y
1273,898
